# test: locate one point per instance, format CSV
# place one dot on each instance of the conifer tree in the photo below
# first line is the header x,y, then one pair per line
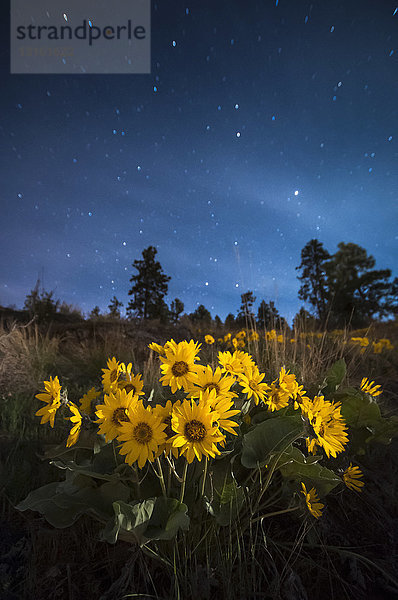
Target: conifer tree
x,y
114,308
313,277
176,308
150,285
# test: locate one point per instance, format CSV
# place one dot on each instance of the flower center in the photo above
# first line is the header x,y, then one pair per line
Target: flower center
x,y
113,375
119,416
211,386
253,385
195,431
179,368
130,388
168,430
142,433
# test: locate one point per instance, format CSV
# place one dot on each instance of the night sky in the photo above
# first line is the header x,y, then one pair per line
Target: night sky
x,y
262,125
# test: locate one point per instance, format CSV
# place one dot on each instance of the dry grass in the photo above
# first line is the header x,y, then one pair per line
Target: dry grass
x,y
274,563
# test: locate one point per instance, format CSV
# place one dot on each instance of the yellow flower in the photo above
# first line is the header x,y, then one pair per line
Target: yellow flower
x,y
47,413
196,436
276,398
222,410
300,396
377,347
227,337
254,337
327,423
230,363
293,341
113,413
209,380
178,368
131,383
359,341
271,335
246,361
288,383
252,386
209,339
385,342
369,387
351,478
157,348
52,393
141,434
241,335
86,401
280,339
165,414
161,350
111,375
52,397
312,501
235,342
76,419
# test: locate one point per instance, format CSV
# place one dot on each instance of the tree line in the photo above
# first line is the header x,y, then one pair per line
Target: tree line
x,y
341,289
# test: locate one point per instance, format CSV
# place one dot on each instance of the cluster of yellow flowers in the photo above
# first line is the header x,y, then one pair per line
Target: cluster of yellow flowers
x,y
196,423
240,339
377,346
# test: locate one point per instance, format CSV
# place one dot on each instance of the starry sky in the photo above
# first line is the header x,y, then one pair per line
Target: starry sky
x,y
262,125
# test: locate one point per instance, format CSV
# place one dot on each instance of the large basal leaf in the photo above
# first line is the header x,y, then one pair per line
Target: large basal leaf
x,y
131,518
81,469
63,503
358,409
269,437
304,469
38,498
142,521
384,430
88,440
225,496
334,378
168,517
362,413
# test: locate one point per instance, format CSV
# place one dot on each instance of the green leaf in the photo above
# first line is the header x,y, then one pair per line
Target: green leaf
x,y
227,496
301,468
82,469
359,410
131,518
169,515
333,378
86,441
269,437
359,440
384,430
38,497
63,503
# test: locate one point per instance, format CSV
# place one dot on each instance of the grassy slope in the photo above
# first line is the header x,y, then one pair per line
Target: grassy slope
x,y
39,562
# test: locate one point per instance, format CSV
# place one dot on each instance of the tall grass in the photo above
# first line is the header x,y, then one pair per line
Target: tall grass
x,y
275,558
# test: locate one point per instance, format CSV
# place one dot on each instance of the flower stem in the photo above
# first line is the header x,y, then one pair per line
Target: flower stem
x,y
160,475
202,493
273,514
184,479
136,482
